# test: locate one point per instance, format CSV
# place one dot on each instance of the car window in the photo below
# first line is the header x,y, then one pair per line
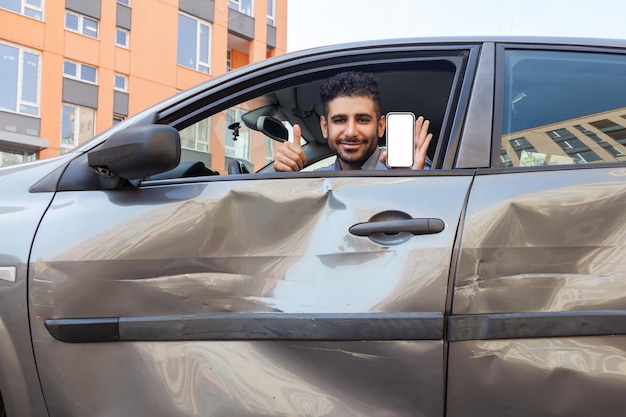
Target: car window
x,y
228,136
563,108
219,137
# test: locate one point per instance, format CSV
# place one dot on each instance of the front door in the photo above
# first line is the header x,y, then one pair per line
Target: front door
x,y
309,294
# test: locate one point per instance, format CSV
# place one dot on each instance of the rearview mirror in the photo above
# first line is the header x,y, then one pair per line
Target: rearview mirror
x,y
272,127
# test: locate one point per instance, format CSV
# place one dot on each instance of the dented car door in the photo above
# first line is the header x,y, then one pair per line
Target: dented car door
x,y
248,297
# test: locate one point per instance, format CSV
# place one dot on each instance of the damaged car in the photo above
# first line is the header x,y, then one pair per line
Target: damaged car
x,y
164,268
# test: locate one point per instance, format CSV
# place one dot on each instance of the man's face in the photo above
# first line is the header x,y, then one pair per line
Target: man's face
x,y
352,129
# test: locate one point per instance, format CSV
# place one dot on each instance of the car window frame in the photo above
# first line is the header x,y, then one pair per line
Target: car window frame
x,y
309,69
499,94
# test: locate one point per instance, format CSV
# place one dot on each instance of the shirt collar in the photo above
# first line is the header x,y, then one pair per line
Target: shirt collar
x,y
372,163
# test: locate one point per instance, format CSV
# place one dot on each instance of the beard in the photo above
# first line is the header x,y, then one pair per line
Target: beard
x,y
357,155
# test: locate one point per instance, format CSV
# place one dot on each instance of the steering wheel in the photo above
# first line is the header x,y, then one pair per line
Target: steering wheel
x,y
237,167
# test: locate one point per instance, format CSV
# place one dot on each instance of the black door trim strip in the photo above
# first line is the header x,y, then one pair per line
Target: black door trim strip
x,y
251,326
535,325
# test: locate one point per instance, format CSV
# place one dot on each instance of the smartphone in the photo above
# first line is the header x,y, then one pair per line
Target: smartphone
x,y
400,139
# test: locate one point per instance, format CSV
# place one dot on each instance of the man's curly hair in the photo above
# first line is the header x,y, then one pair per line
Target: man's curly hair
x,y
350,84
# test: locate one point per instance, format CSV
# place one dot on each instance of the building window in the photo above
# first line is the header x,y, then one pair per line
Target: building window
x,y
29,8
566,140
79,71
585,157
124,2
81,24
196,136
243,6
194,43
521,144
118,118
271,7
19,72
13,158
611,129
121,37
120,82
77,125
229,60
237,144
505,159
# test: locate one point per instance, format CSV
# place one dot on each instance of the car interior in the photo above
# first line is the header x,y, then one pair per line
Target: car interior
x,y
265,121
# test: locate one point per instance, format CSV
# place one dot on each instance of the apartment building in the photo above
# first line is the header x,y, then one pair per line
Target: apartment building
x,y
71,69
598,137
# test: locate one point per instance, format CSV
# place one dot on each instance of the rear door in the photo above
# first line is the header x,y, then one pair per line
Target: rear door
x,y
254,294
538,323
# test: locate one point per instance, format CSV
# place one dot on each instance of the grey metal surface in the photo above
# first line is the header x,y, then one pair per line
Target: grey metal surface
x,y
20,212
538,288
542,244
574,377
475,149
544,241
267,246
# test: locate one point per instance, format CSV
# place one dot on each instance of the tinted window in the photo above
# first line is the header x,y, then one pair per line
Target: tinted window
x,y
555,105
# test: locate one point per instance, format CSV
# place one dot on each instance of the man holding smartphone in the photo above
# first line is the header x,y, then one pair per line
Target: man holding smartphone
x,y
353,124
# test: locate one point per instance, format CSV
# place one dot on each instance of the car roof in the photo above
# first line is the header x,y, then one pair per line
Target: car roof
x,y
170,106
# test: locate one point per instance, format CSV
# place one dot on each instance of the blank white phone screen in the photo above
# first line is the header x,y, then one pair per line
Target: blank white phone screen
x,y
400,139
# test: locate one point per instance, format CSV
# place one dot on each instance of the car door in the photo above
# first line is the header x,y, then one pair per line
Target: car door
x,y
537,324
311,294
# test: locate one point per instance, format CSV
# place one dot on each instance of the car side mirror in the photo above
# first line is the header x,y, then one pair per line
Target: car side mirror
x,y
138,152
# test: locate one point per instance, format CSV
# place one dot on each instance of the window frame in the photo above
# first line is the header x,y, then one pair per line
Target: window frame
x,y
81,24
76,123
241,7
454,60
123,77
25,6
499,95
79,71
195,133
118,118
19,96
126,33
200,65
271,14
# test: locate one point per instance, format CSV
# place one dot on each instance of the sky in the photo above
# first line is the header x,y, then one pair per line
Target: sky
x,y
314,23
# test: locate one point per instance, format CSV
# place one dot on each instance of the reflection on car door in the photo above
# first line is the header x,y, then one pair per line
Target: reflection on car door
x,y
538,324
248,297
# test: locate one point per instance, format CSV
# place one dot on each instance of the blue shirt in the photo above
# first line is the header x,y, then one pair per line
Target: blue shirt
x,y
372,163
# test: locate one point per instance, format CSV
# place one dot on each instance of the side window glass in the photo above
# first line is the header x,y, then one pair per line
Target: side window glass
x,y
563,108
232,135
245,136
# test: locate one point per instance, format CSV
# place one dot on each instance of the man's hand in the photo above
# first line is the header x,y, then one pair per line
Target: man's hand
x,y
289,156
422,141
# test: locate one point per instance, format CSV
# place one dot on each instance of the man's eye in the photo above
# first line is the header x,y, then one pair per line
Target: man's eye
x,y
364,120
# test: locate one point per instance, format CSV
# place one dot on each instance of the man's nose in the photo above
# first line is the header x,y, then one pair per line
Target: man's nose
x,y
351,128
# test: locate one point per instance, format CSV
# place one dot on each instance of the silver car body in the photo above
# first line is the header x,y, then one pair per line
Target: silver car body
x,y
255,295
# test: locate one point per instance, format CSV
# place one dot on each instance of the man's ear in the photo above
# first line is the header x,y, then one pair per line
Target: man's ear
x,y
324,127
382,123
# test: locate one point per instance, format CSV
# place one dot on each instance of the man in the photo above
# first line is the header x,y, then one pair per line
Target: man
x,y
353,124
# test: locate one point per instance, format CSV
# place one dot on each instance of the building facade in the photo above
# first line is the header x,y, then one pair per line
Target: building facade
x,y
71,69
568,142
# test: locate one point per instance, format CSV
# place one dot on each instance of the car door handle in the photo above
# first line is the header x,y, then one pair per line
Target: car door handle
x,y
393,227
